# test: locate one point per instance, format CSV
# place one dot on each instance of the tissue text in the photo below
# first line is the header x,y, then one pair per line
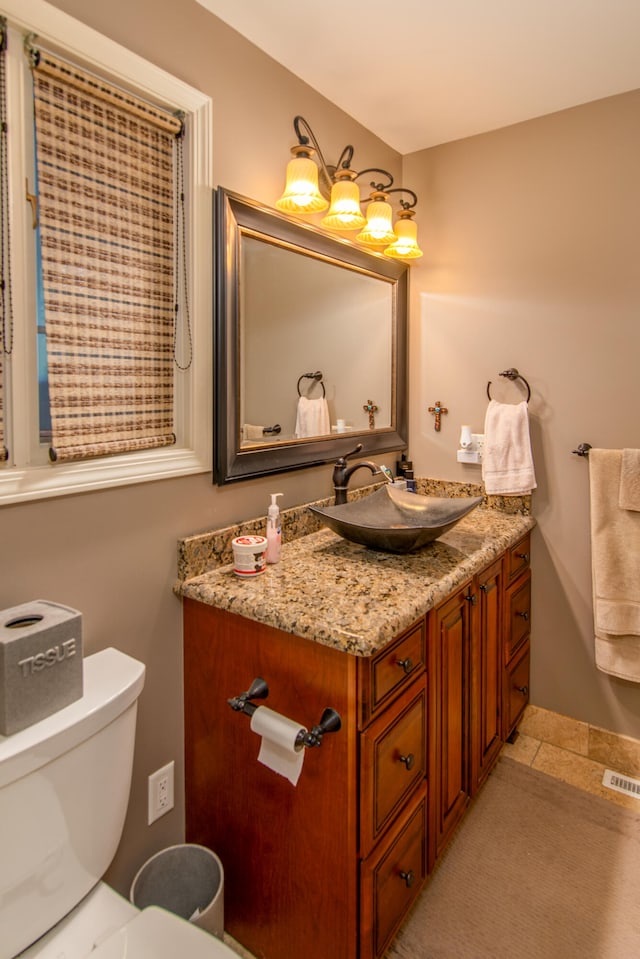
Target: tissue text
x,y
56,654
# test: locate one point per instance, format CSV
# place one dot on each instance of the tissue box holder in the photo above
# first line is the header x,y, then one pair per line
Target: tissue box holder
x,y
40,662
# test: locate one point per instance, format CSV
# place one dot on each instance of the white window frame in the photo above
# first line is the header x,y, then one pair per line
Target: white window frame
x,y
28,476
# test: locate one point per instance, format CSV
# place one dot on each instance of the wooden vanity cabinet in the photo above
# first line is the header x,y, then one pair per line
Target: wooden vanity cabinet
x,y
329,868
290,853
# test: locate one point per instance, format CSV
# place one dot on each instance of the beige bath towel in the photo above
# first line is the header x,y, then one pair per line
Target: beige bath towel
x,y
615,557
630,480
507,462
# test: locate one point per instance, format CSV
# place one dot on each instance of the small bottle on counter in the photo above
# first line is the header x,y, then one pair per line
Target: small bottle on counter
x,y
401,465
411,483
274,530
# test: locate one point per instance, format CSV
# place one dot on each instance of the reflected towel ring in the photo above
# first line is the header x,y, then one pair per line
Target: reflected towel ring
x,y
317,376
511,374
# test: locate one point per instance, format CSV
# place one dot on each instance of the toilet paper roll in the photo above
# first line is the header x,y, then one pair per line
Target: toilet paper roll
x,y
278,750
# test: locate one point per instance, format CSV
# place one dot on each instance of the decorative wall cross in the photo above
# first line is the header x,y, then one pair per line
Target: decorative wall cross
x,y
371,408
438,409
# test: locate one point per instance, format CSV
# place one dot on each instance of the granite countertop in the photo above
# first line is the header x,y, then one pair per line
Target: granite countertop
x,y
352,598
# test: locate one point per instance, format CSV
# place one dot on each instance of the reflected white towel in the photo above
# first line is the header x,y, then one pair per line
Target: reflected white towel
x,y
252,432
312,418
615,558
507,462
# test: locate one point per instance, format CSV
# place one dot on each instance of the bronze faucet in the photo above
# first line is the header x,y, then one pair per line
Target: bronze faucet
x,y
343,473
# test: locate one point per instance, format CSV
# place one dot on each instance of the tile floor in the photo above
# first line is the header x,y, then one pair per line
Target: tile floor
x,y
575,752
572,751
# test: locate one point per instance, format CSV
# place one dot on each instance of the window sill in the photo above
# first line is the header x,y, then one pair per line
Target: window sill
x,y
41,482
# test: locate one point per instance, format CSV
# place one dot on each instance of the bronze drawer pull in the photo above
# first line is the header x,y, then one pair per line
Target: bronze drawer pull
x,y
523,689
406,664
523,613
524,556
408,877
472,598
408,760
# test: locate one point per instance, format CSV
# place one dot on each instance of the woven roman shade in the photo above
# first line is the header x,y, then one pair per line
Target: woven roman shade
x,y
107,201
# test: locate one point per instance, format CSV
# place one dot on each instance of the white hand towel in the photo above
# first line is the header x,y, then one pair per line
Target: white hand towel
x,y
630,480
615,559
312,418
507,462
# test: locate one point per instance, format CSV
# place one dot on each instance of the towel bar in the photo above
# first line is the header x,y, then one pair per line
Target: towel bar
x,y
511,374
582,450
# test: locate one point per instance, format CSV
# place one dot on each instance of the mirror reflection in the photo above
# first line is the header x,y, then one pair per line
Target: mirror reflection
x,y
322,338
310,344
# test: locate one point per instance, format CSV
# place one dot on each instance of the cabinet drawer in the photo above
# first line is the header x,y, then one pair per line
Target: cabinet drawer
x,y
518,558
392,877
519,624
393,761
392,669
516,692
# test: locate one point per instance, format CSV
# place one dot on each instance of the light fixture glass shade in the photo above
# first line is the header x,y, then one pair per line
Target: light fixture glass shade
x,y
301,192
378,230
405,246
344,212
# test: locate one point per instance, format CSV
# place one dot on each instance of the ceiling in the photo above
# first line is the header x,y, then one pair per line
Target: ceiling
x,y
422,72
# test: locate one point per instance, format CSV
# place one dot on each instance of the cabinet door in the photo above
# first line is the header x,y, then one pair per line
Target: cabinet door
x,y
449,680
486,725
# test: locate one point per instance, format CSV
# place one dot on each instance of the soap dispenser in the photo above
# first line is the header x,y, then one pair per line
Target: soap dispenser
x,y
274,530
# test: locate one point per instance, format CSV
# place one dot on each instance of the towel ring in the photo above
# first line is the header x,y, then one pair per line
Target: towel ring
x,y
317,376
511,374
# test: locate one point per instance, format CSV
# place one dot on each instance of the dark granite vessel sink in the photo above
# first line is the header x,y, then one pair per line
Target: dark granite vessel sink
x,y
395,521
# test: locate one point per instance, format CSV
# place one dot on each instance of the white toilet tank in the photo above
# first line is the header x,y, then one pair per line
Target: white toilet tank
x,y
64,790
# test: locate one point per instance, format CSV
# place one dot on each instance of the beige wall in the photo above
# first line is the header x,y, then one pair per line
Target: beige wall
x,y
531,242
112,554
529,251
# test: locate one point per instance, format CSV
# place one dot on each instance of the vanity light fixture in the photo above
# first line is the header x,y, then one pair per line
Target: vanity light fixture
x,y
308,173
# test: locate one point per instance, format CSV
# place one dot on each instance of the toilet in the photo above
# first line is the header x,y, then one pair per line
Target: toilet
x,y
64,790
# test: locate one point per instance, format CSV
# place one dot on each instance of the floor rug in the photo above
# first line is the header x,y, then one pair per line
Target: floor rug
x,y
537,870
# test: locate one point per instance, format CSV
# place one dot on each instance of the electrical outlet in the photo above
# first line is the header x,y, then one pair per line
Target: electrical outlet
x,y
469,456
477,441
160,795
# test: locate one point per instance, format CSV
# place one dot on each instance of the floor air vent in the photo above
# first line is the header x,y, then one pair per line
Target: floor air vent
x,y
621,784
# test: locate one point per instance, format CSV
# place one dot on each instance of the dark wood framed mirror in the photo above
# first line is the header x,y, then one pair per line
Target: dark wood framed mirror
x,y
310,344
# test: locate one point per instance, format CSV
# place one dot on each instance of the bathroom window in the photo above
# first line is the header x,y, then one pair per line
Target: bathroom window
x,y
110,283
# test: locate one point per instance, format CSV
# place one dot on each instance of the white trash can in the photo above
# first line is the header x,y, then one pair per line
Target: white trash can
x,y
187,880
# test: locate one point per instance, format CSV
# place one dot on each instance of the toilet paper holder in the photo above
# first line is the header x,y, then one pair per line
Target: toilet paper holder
x,y
330,721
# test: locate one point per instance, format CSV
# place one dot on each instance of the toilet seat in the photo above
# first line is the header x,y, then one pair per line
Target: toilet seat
x,y
105,925
155,932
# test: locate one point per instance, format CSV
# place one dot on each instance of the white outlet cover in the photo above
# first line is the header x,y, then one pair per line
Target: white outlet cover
x,y
160,792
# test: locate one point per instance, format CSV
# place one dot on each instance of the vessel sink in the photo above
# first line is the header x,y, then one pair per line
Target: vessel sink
x,y
395,521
